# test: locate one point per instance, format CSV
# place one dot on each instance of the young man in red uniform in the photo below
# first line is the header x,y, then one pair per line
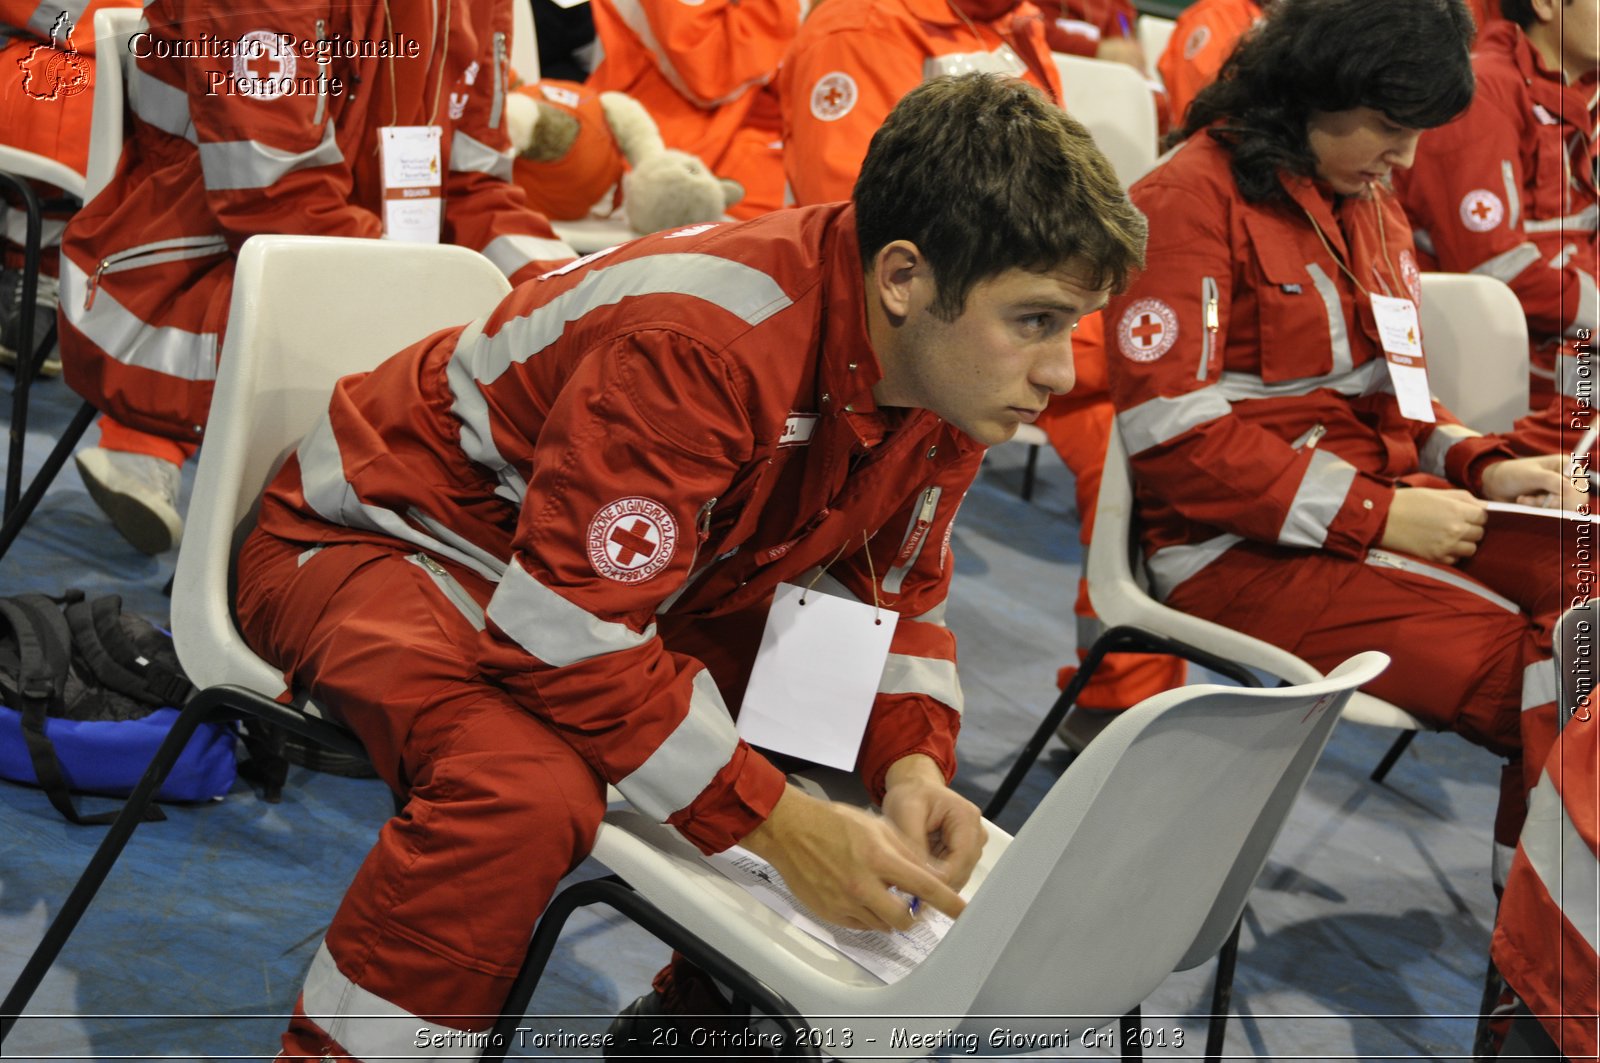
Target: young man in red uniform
x,y
267,118
534,555
1509,191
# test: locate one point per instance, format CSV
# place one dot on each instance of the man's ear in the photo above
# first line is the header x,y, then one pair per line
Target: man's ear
x,y
897,269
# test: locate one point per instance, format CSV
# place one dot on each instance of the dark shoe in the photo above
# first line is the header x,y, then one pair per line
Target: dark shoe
x,y
1082,726
686,1016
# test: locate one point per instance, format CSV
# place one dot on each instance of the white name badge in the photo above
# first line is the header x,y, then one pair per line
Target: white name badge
x,y
1401,336
412,163
816,676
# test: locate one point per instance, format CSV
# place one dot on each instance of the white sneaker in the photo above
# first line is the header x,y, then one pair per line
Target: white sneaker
x,y
139,492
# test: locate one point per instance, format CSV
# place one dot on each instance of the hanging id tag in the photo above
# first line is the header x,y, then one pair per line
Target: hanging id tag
x,y
816,676
1401,336
412,162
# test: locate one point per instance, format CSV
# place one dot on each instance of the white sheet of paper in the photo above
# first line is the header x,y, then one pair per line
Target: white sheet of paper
x,y
1401,335
413,183
890,956
816,675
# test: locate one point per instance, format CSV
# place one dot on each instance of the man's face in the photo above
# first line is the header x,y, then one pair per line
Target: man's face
x,y
997,364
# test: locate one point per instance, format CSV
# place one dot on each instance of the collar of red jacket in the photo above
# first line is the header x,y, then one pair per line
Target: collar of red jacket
x,y
849,367
1507,37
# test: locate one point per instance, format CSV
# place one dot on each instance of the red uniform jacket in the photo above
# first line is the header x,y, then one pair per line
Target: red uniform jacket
x,y
224,146
1201,42
638,448
1250,387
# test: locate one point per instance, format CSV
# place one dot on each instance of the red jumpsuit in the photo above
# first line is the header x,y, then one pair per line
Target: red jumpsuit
x,y
1267,445
1546,935
1203,39
222,147
703,71
534,555
1508,190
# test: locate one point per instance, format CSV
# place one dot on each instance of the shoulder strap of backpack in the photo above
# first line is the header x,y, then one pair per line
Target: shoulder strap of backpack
x,y
99,636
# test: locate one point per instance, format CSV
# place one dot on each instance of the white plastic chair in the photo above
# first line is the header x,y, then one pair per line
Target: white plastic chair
x,y
1115,103
113,29
1109,886
524,41
1153,33
1475,336
306,310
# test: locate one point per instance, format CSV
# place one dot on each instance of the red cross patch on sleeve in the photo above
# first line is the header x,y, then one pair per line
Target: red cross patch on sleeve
x,y
632,539
1148,330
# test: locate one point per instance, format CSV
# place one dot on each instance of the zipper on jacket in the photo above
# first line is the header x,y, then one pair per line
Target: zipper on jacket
x,y
158,252
915,538
499,79
324,61
1312,437
455,592
1213,321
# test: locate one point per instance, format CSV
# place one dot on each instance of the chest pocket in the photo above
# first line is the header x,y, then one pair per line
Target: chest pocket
x,y
1300,316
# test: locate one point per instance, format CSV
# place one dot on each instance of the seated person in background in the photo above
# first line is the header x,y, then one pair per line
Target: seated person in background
x,y
46,98
1285,488
850,62
1508,190
703,71
534,555
1203,38
1095,29
221,147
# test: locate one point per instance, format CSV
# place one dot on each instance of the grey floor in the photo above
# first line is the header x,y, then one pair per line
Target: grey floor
x,y
1365,938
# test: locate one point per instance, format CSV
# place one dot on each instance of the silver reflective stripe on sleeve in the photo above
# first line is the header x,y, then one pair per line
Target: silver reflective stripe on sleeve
x,y
1171,565
1368,379
1563,861
934,678
1508,265
478,361
156,103
1431,458
231,164
1338,336
682,766
510,253
44,17
363,1023
633,16
553,629
1538,684
1508,176
469,155
1321,494
1586,220
1162,419
1385,559
115,330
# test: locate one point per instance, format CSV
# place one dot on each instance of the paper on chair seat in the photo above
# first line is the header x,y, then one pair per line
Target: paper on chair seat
x,y
889,956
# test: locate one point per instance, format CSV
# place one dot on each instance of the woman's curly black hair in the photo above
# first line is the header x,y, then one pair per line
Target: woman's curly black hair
x,y
1409,59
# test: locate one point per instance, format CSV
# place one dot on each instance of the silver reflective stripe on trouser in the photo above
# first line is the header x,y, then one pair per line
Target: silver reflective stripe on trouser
x,y
511,252
1539,685
233,164
1508,176
1508,265
1431,458
159,104
1171,565
552,628
1317,501
904,673
743,291
1586,220
46,15
113,328
364,1024
469,155
1563,861
1385,559
681,767
1338,336
1163,419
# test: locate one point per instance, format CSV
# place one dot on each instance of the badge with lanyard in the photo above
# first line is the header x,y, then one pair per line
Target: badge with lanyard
x,y
411,161
1401,336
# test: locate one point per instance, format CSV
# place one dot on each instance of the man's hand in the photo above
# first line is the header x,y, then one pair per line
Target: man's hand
x,y
842,861
1540,481
1435,525
1121,50
943,828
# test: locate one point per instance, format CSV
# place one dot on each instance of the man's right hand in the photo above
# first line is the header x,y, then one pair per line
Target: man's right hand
x,y
1440,525
841,862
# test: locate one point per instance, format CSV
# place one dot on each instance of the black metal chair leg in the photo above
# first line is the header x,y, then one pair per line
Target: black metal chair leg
x,y
1129,1029
1393,755
1222,995
1029,471
27,360
615,893
18,516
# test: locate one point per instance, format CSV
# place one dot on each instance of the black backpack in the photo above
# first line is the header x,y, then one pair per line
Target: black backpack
x,y
77,660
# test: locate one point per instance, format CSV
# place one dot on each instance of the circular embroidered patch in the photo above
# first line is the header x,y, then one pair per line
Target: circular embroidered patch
x,y
834,96
1481,210
1410,274
1197,40
1148,330
264,64
632,539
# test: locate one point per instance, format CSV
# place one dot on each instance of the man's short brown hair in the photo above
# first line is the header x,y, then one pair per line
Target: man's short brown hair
x,y
984,174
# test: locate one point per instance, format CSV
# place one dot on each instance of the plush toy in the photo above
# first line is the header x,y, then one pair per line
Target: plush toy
x,y
581,154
